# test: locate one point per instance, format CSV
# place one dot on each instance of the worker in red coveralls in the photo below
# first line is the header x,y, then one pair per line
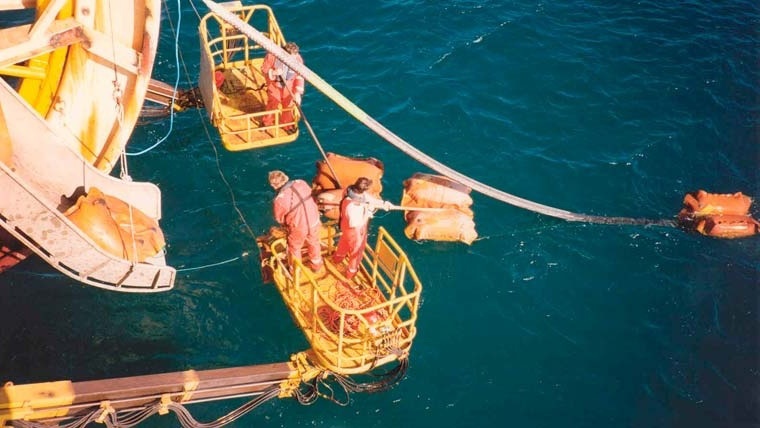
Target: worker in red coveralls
x,y
295,208
276,72
356,208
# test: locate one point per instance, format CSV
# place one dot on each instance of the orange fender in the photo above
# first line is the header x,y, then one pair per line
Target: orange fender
x,y
453,223
727,226
449,225
348,170
435,191
108,222
329,203
147,234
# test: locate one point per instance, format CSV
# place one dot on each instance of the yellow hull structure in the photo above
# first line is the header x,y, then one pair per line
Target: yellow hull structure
x,y
41,75
352,325
67,403
81,70
237,106
85,65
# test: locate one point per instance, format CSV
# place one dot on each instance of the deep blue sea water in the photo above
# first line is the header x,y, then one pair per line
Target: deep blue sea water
x,y
597,107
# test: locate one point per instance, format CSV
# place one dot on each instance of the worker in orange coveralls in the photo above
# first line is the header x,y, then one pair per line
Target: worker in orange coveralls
x,y
356,208
276,72
295,208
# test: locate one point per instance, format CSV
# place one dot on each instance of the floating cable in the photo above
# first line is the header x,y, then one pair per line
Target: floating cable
x,y
407,148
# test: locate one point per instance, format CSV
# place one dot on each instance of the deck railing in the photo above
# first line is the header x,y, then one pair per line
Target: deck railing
x,y
224,48
353,326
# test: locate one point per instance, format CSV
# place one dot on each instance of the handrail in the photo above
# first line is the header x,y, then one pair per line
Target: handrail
x,y
353,339
226,50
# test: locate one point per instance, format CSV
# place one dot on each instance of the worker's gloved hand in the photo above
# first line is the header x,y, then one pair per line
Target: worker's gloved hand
x,y
387,205
274,74
297,99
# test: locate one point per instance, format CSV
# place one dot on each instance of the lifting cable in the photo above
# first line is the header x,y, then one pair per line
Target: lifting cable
x,y
313,135
180,61
407,148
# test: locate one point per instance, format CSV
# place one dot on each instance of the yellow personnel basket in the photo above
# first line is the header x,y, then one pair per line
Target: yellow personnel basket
x,y
232,84
352,325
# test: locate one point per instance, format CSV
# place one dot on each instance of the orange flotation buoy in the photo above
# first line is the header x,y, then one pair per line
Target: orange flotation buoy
x,y
727,226
330,190
702,203
454,222
347,169
110,224
448,225
719,215
328,202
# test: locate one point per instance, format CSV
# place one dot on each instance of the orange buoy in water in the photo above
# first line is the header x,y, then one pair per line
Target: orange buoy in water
x,y
702,203
347,169
328,202
329,190
454,221
727,226
719,215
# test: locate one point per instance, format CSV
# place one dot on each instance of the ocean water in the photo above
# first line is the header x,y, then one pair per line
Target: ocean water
x,y
596,107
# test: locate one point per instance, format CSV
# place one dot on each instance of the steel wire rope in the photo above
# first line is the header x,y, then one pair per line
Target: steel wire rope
x,y
331,396
407,148
309,396
312,133
79,422
230,260
131,418
124,173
